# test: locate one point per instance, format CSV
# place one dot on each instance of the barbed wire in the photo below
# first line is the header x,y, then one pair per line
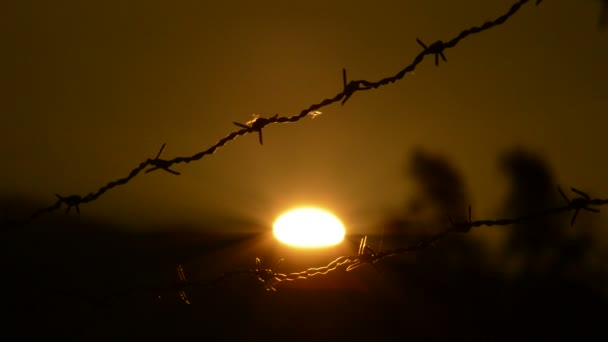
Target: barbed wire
x,y
270,277
258,123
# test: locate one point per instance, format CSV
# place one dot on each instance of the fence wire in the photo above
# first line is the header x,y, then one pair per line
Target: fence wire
x,y
257,124
270,277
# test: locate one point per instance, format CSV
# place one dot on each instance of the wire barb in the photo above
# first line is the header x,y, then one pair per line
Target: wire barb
x,y
257,123
70,201
161,163
365,256
435,49
461,227
578,203
349,88
268,276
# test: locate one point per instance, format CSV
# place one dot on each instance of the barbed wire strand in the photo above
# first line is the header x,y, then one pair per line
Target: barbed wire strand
x,y
269,277
257,124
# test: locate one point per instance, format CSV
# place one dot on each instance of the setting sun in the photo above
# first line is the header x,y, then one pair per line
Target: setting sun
x,y
308,228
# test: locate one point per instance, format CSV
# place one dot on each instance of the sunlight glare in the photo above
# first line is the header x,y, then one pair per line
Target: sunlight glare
x,y
308,228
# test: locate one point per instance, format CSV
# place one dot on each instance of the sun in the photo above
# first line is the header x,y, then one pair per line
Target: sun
x,y
308,227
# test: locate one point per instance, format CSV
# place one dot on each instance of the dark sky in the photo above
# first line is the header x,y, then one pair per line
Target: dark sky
x,y
91,89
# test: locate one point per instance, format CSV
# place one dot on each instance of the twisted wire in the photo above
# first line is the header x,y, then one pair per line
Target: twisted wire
x,y
270,277
257,125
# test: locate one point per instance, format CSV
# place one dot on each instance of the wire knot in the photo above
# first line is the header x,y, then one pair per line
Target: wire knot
x,y
257,123
70,201
365,256
578,203
161,163
349,88
267,276
435,49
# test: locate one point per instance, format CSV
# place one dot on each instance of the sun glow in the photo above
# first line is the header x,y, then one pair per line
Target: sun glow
x,y
308,228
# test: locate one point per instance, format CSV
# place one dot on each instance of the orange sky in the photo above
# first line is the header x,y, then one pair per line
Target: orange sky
x,y
90,89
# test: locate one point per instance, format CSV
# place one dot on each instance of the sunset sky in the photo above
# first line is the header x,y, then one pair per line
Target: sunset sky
x,y
90,89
